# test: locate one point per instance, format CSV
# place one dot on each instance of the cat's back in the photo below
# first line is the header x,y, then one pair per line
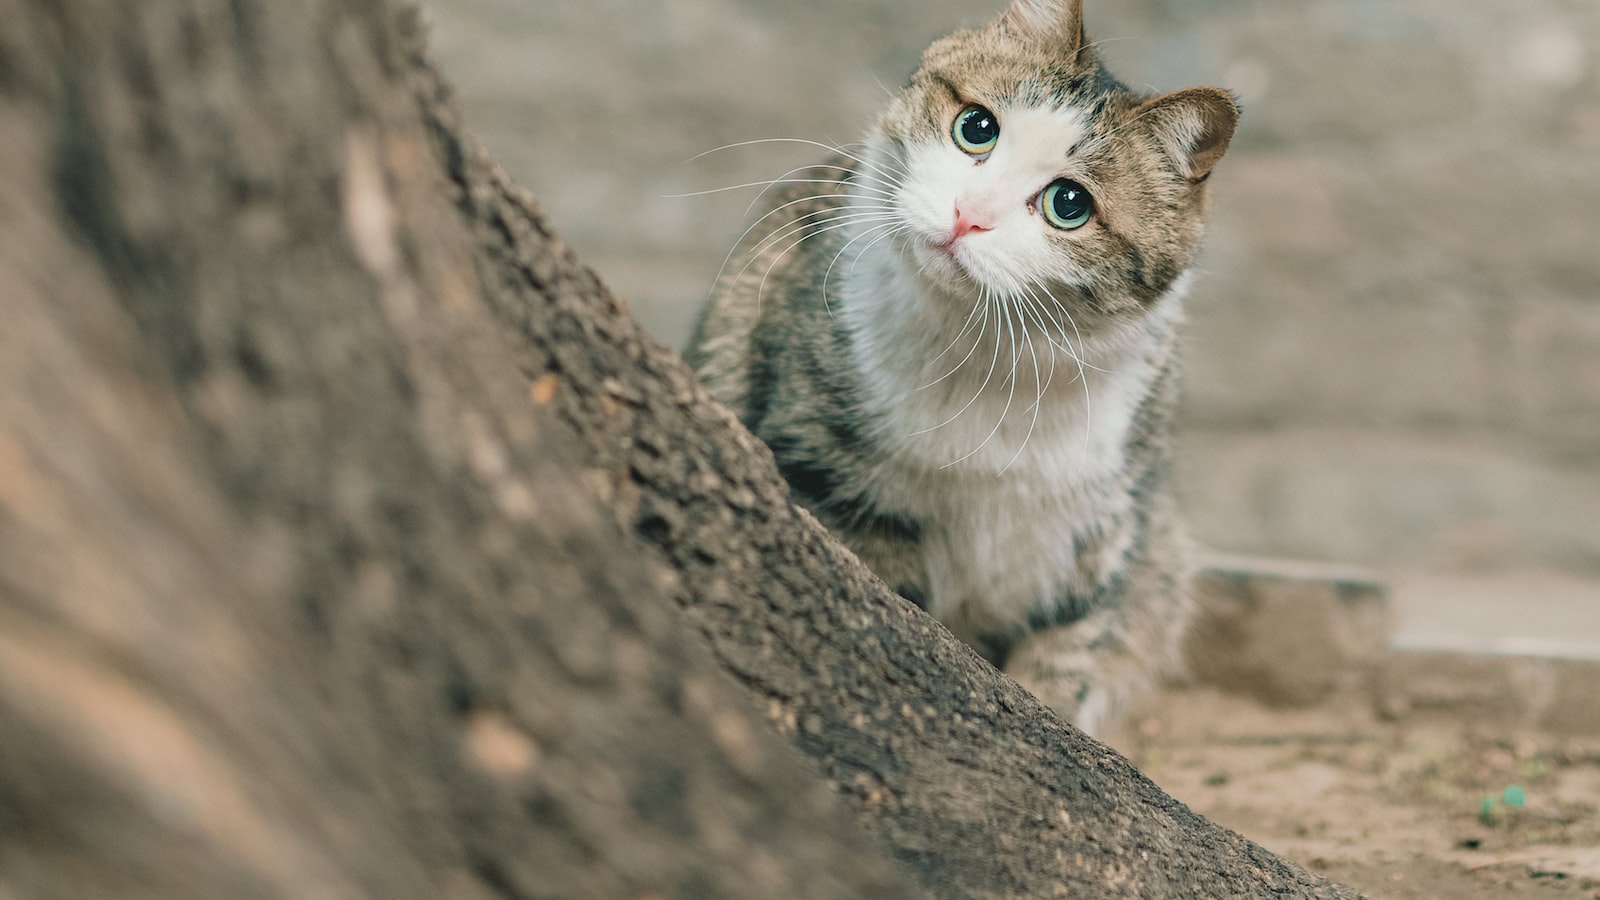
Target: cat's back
x,y
771,288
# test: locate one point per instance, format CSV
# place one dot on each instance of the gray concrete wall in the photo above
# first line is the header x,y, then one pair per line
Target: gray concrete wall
x,y
1395,354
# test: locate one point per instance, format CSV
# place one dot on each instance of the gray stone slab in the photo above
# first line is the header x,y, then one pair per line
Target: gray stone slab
x,y
1287,633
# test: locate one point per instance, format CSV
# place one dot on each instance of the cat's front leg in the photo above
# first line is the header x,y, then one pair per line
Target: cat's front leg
x,y
1093,670
1086,671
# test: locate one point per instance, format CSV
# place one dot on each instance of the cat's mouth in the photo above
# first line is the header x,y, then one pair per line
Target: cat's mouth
x,y
942,258
942,251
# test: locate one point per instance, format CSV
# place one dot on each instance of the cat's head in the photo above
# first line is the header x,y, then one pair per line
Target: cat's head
x,y
1017,162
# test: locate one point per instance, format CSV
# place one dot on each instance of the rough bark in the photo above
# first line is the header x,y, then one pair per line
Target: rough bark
x,y
349,527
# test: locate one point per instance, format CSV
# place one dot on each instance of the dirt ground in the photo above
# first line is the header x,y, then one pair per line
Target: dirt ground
x,y
1396,808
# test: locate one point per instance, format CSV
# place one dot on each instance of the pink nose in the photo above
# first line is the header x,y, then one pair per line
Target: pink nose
x,y
965,225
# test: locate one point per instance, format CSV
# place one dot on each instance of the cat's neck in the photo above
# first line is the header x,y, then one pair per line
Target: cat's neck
x,y
987,385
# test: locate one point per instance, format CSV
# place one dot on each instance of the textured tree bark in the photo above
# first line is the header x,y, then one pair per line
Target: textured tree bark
x,y
344,515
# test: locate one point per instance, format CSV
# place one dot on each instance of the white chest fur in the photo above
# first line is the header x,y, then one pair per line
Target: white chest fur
x,y
1010,467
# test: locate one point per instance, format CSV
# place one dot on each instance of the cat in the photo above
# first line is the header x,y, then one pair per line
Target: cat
x,y
960,344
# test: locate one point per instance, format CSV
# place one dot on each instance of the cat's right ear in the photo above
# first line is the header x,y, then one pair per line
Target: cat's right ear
x,y
1194,126
1054,19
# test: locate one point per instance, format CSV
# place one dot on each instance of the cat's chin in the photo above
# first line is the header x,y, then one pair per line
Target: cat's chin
x,y
939,267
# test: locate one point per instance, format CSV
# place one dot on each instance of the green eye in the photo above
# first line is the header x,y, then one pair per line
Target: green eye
x,y
1066,204
976,131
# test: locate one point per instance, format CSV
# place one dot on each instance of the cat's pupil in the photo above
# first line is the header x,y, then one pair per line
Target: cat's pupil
x,y
977,130
1067,204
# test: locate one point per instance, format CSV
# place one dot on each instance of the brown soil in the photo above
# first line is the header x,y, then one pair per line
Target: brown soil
x,y
1395,808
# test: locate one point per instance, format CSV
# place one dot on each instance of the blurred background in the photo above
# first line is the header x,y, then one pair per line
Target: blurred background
x,y
1395,345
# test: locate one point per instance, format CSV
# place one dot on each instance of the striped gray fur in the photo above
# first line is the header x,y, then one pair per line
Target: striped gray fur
x,y
980,402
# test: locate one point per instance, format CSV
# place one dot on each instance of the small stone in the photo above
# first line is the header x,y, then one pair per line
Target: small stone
x,y
544,388
497,746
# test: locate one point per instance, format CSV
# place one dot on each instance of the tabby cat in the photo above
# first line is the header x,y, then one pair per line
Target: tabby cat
x,y
960,343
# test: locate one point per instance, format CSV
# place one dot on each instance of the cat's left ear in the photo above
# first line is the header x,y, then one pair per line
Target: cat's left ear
x,y
1057,19
1194,125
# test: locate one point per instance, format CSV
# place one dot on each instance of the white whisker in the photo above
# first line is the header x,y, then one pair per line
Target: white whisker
x,y
819,222
965,327
1034,307
802,141
769,183
893,224
1039,387
902,229
1010,396
1029,308
1083,376
840,182
976,341
822,226
737,244
995,361
1068,314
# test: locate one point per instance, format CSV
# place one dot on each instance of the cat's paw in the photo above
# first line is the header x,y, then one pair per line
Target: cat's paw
x,y
1084,671
1066,683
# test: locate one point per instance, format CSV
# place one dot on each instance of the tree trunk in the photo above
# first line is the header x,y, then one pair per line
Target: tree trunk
x,y
349,530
